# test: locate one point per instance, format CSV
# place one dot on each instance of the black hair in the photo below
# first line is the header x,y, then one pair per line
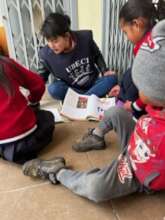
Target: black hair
x,y
55,25
151,10
4,81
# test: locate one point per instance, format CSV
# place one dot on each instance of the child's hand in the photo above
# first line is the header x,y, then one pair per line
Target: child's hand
x,y
127,106
114,91
109,72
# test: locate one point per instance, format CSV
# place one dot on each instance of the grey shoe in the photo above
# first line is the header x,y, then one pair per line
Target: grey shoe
x,y
89,142
42,168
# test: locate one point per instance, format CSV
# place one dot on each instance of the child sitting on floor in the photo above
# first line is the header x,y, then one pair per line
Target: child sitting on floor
x,y
24,130
73,58
137,19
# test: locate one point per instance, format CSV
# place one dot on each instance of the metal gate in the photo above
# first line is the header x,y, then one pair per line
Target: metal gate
x,y
22,20
116,48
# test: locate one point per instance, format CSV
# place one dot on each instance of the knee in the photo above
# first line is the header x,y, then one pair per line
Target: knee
x,y
56,92
52,90
117,113
111,80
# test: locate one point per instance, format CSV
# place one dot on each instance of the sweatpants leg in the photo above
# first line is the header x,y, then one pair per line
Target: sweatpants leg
x,y
100,184
119,120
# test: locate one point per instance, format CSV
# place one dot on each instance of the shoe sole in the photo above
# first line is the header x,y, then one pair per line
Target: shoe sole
x,y
89,148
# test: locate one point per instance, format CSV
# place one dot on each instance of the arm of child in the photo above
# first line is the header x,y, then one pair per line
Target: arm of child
x,y
43,70
109,73
128,106
29,80
138,105
138,108
114,92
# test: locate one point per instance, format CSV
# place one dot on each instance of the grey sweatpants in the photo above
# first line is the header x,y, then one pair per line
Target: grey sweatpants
x,y
111,181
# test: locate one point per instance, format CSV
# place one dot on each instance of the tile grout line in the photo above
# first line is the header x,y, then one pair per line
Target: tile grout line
x,y
114,211
25,188
90,161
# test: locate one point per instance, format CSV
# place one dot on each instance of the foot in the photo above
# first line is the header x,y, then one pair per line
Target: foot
x,y
89,142
42,168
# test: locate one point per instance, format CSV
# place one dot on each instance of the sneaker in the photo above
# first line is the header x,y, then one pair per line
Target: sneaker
x,y
89,142
42,168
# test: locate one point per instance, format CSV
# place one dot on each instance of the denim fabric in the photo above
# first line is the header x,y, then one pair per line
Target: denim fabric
x,y
100,88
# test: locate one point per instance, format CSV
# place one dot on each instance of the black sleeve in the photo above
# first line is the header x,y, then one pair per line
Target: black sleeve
x,y
43,69
128,90
98,58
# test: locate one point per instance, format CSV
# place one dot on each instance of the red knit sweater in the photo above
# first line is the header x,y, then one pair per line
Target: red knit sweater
x,y
147,149
16,117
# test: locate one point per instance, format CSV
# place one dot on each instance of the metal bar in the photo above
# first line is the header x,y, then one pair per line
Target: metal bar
x,y
22,34
53,5
8,29
105,25
33,30
115,48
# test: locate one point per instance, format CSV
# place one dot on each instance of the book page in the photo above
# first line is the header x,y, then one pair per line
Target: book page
x,y
75,105
97,106
93,110
106,103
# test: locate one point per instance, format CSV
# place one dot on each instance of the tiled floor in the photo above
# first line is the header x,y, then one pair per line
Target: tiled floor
x,y
22,198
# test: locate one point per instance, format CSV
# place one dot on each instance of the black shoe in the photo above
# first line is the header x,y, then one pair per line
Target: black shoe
x,y
42,168
89,142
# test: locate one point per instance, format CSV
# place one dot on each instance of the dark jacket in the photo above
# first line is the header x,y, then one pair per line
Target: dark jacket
x,y
80,67
128,90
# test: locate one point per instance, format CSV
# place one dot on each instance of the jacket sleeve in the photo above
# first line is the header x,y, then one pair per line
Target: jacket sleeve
x,y
138,108
138,105
28,80
98,58
128,90
43,69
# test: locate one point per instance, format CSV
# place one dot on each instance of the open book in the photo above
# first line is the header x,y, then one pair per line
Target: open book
x,y
83,107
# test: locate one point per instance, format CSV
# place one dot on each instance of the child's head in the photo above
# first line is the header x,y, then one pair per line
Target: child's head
x,y
148,71
56,30
138,16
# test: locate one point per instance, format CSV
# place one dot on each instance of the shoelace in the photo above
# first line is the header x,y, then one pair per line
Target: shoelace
x,y
89,133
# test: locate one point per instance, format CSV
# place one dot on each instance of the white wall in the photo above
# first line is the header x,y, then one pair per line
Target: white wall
x,y
89,17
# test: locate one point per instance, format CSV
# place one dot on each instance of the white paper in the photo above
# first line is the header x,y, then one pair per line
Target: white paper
x,y
72,107
80,107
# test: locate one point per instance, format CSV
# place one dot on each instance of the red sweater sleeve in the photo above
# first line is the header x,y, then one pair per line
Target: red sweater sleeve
x,y
29,80
138,105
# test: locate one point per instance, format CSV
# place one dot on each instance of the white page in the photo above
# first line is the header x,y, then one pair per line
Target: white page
x,y
97,106
106,103
93,106
73,107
